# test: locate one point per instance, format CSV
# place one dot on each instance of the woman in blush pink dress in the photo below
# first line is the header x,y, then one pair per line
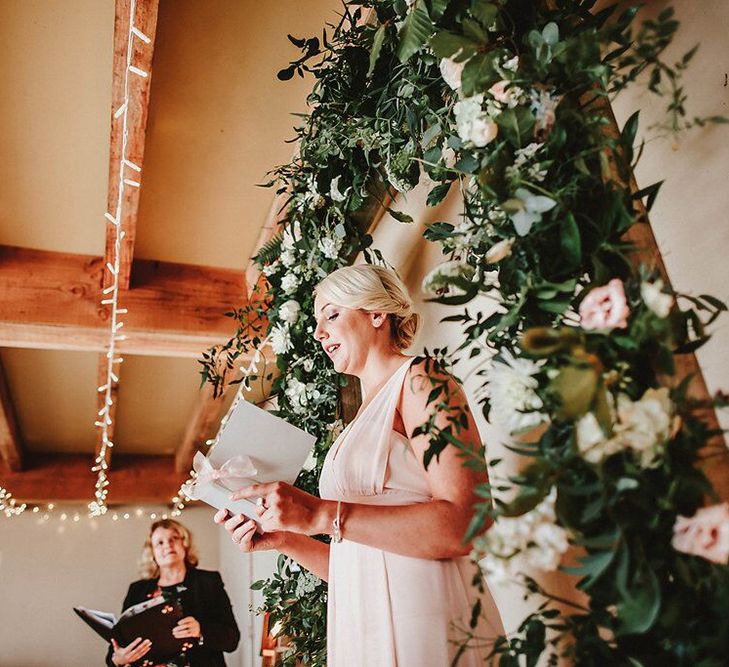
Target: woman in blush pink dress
x,y
399,576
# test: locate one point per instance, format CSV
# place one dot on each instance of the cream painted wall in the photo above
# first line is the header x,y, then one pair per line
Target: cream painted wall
x,y
46,569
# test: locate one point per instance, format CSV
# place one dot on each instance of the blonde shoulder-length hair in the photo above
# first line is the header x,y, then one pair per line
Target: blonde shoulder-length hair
x,y
374,289
148,567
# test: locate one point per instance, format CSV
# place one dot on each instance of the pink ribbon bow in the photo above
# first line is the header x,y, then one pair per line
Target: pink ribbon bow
x,y
233,474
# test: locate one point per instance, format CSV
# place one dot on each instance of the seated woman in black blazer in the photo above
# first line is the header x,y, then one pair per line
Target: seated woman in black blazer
x,y
169,563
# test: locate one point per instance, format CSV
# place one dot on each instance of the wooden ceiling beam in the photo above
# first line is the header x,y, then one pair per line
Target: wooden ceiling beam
x,y
67,478
137,89
202,426
11,446
51,300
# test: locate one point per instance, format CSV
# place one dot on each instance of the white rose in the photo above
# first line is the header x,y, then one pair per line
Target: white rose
x,y
591,439
655,298
483,131
289,283
451,71
499,251
289,311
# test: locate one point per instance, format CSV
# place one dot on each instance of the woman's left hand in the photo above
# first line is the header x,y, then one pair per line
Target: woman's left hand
x,y
286,508
187,627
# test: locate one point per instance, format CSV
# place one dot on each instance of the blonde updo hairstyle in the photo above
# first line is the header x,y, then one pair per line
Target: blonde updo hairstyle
x,y
148,567
374,289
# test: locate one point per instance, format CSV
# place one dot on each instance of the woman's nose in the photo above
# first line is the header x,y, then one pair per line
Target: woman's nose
x,y
319,333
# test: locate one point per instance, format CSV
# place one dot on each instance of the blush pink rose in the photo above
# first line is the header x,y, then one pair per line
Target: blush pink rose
x,y
705,534
605,307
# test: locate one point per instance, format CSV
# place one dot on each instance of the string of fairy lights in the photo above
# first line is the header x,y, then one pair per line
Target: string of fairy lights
x,y
110,295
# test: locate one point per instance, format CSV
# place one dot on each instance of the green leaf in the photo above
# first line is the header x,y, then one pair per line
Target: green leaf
x,y
651,191
438,194
640,604
376,48
400,216
627,136
592,567
415,32
550,33
570,240
438,7
485,12
516,124
445,44
478,72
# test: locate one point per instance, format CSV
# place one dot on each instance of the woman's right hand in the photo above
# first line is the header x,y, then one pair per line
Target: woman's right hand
x,y
243,532
131,653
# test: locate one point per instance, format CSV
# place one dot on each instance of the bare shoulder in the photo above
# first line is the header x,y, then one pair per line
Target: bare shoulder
x,y
428,385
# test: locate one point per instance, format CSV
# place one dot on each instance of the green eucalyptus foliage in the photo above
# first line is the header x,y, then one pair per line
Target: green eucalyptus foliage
x,y
524,133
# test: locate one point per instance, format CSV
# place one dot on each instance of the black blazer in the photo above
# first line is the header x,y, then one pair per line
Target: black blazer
x,y
206,600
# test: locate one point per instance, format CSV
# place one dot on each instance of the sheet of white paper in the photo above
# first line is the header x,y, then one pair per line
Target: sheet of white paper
x,y
276,448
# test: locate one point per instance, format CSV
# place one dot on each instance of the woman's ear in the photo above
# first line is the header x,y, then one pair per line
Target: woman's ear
x,y
377,319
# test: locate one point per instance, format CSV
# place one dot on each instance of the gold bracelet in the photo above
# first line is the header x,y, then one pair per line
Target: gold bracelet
x,y
336,525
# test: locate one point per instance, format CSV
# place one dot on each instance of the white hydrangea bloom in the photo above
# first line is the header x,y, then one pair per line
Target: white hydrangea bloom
x,y
512,388
330,246
280,339
289,311
296,393
289,283
288,257
301,394
472,124
515,544
655,298
306,583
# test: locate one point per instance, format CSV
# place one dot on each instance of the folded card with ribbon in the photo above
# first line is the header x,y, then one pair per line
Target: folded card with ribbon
x,y
255,447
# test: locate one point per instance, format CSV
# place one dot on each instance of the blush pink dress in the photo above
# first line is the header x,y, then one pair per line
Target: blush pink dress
x,y
387,610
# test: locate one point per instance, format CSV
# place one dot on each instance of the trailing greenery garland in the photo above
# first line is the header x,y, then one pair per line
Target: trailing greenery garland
x,y
506,101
